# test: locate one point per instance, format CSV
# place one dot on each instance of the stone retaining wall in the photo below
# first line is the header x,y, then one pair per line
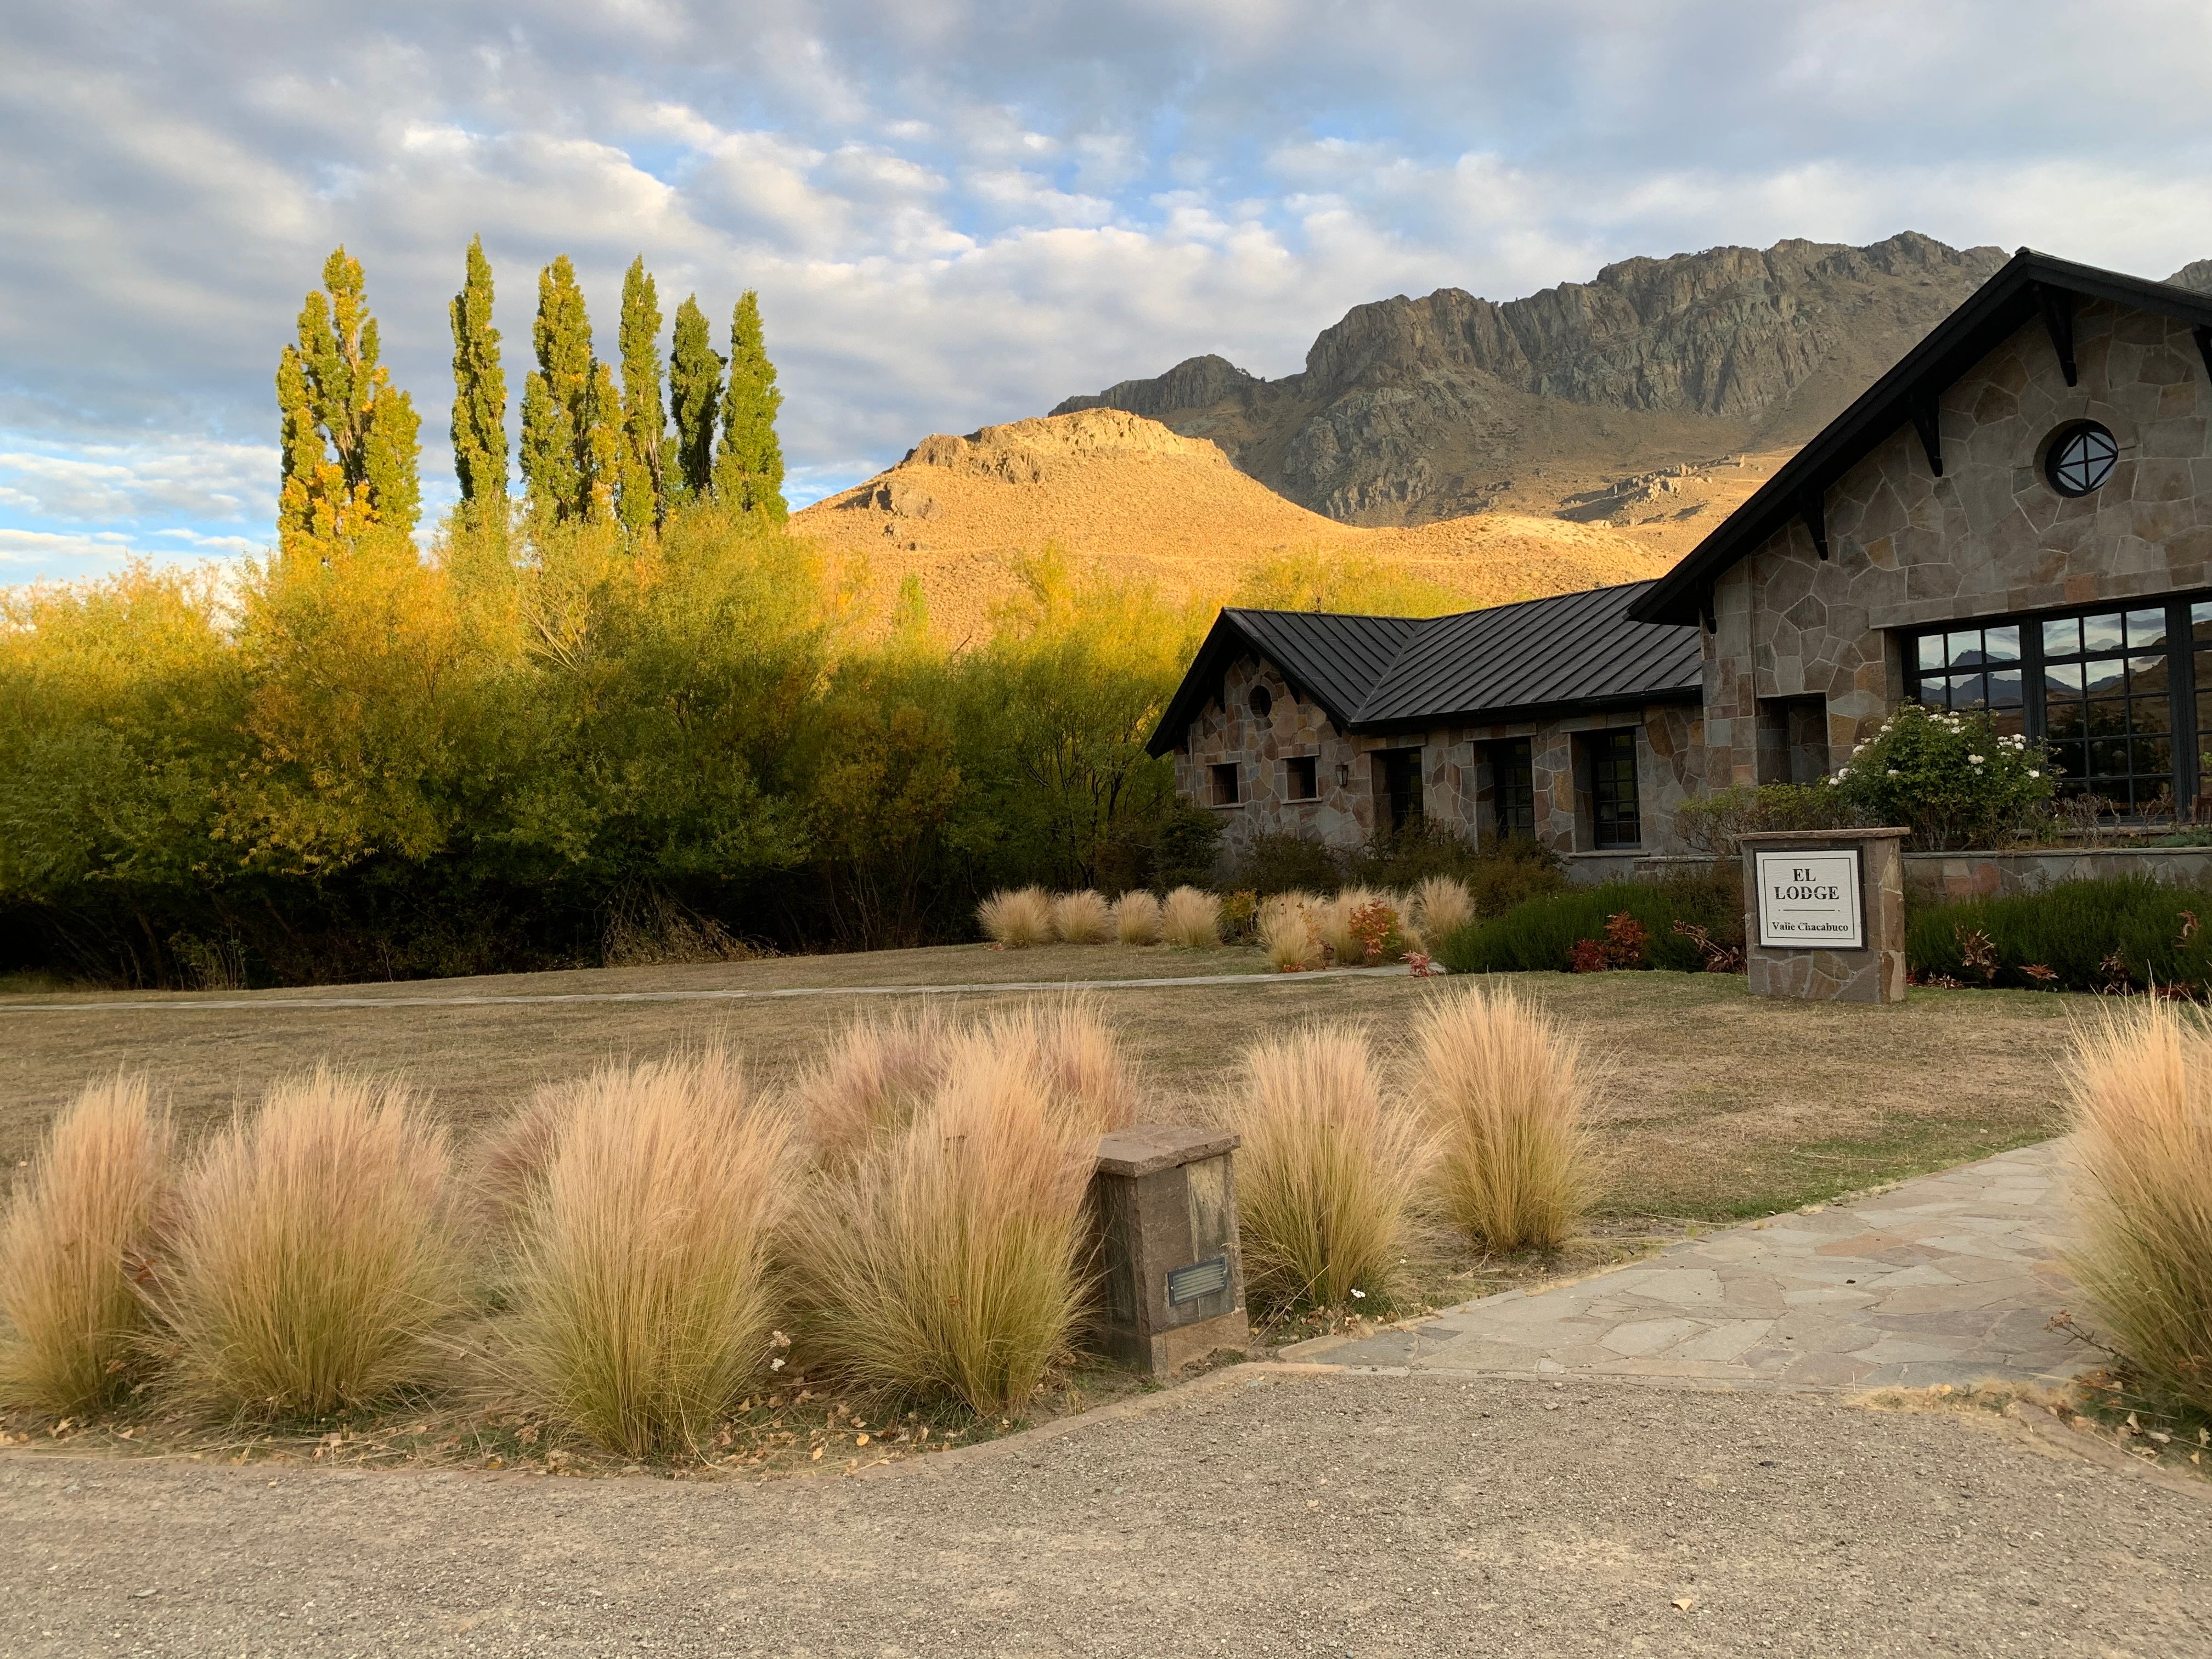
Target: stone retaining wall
x,y
1929,876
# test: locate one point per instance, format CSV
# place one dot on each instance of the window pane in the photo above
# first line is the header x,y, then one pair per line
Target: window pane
x,y
2106,676
2005,689
2150,714
2147,674
2146,627
1935,693
2154,756
1966,647
2001,644
2101,633
2108,757
2200,621
2108,720
2063,680
2011,722
2063,720
2067,758
1931,650
2062,639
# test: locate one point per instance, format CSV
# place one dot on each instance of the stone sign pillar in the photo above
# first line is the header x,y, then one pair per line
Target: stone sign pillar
x,y
1824,914
1164,1206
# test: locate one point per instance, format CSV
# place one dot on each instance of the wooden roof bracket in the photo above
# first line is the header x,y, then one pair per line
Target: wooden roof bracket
x,y
1928,424
2203,333
1813,511
2056,305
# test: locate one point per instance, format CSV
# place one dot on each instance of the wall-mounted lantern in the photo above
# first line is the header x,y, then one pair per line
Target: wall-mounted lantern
x,y
1343,776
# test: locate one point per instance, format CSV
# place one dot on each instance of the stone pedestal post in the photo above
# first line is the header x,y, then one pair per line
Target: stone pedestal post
x,y
1824,914
1164,1204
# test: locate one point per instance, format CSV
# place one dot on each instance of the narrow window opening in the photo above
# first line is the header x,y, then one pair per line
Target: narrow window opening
x,y
1513,787
1305,777
1225,785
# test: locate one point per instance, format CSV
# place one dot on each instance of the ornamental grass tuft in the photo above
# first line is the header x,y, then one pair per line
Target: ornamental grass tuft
x,y
312,1256
1137,918
943,1265
1016,918
1442,906
1504,1089
1289,931
72,1324
642,1305
1083,917
1190,919
1328,1171
2139,1084
880,1070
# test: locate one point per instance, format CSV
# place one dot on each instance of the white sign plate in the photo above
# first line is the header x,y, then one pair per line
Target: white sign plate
x,y
1810,901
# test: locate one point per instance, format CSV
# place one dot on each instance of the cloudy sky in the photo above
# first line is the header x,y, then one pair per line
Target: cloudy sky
x,y
959,213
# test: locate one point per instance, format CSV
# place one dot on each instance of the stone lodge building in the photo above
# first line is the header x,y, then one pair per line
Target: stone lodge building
x,y
2018,514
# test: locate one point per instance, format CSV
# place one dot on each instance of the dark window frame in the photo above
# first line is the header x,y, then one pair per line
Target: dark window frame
x,y
1513,787
1311,764
2085,474
1616,809
1407,761
1227,773
2187,637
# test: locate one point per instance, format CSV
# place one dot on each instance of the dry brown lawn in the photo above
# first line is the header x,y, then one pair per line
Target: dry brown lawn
x,y
1718,1106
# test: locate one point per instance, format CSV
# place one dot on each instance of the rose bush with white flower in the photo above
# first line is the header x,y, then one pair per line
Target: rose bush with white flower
x,y
1953,779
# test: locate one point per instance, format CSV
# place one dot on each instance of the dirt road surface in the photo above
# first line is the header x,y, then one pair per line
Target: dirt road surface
x,y
1367,1516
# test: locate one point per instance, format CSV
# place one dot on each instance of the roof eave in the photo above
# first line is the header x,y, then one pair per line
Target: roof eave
x,y
1529,711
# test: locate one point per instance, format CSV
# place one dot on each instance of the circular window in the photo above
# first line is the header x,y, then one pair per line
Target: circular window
x,y
1262,702
2082,458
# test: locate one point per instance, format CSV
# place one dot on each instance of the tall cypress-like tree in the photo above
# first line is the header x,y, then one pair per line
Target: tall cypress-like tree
x,y
694,392
643,498
748,467
569,447
350,448
479,388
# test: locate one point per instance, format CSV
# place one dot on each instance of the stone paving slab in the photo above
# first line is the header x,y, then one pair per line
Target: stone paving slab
x,y
1945,1278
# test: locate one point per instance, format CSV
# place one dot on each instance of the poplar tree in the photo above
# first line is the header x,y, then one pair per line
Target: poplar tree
x,y
479,388
570,446
695,392
643,498
349,444
748,467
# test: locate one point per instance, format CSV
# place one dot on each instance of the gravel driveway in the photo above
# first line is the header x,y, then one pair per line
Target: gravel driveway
x,y
1330,1515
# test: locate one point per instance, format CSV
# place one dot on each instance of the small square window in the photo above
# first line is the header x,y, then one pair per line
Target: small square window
x,y
1303,777
1225,785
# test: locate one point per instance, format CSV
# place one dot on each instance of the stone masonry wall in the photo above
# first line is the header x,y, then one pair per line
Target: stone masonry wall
x,y
1988,536
1456,782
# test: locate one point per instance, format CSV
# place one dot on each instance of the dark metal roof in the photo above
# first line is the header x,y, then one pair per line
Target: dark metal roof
x,y
1577,650
2018,294
1377,673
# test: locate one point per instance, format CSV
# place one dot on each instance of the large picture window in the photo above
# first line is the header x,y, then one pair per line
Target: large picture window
x,y
2112,691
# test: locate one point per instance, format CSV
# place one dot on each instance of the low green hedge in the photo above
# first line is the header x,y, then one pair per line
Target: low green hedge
x,y
2104,934
1540,935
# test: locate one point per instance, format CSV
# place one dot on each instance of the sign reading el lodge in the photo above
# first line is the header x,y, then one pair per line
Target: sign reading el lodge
x,y
1810,901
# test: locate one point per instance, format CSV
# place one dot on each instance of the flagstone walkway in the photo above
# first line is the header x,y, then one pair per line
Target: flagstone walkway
x,y
1945,1278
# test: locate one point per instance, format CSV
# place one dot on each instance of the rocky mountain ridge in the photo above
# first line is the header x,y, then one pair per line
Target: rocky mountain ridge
x,y
1653,398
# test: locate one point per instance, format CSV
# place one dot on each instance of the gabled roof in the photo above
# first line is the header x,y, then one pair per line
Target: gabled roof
x,y
2029,285
1383,673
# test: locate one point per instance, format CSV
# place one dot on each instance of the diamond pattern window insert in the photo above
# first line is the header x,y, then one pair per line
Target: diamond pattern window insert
x,y
1513,787
2100,687
1615,818
2082,458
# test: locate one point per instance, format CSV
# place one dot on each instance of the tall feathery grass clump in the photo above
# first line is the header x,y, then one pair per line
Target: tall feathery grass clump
x,y
1083,917
642,1296
1505,1093
1088,1076
1328,1171
1016,918
1290,932
2139,1083
72,1324
1190,919
875,1076
313,1256
943,1264
1137,918
1442,906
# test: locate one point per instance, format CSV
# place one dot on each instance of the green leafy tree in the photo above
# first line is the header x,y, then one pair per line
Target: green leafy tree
x,y
643,495
479,388
570,446
748,467
349,438
695,390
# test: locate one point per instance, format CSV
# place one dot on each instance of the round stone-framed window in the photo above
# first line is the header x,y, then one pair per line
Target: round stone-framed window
x,y
2081,458
1262,702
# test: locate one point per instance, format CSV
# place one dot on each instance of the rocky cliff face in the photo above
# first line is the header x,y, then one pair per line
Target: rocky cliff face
x,y
1574,399
2197,274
